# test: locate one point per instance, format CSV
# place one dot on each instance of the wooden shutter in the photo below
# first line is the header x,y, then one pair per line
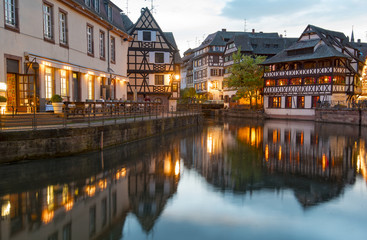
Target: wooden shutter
x,y
166,57
153,36
140,35
152,57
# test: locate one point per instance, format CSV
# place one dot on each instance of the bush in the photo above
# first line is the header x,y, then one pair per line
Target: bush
x,y
56,98
2,99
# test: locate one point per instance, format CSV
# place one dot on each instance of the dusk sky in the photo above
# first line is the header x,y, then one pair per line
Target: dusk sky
x,y
192,20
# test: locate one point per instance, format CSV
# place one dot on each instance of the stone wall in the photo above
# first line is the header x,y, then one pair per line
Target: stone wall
x,y
347,116
47,143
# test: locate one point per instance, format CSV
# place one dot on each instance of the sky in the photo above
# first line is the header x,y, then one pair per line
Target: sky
x,y
192,20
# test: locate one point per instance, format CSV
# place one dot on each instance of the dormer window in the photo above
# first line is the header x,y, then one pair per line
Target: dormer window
x,y
96,5
87,2
109,13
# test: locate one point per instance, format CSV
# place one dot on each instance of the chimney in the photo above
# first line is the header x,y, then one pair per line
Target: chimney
x,y
253,30
224,30
359,40
281,35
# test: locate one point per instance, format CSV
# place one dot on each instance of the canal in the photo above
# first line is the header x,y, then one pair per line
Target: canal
x,y
230,179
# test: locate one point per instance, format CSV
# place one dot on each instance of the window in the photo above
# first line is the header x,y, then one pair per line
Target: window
x,y
63,28
275,102
92,220
300,102
52,236
87,2
109,13
102,53
339,80
64,83
159,79
104,211
324,80
11,13
113,50
269,82
282,82
147,36
114,203
47,22
288,102
66,232
315,101
295,81
48,82
159,57
90,48
215,59
96,5
309,80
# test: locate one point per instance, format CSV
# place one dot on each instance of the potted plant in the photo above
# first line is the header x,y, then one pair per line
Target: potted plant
x,y
57,103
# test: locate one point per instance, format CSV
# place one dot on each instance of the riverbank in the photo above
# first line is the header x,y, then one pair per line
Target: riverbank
x,y
57,142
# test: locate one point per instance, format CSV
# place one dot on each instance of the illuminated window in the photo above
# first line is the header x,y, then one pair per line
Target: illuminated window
x,y
48,82
295,81
64,83
282,82
288,102
275,102
339,80
300,102
47,21
270,82
324,80
315,101
309,80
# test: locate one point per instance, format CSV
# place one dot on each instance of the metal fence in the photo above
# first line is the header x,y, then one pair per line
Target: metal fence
x,y
342,104
82,114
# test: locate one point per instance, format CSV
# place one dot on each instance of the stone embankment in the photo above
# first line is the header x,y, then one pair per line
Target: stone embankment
x,y
49,143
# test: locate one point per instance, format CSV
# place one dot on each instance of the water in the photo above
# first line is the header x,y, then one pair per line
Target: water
x,y
225,180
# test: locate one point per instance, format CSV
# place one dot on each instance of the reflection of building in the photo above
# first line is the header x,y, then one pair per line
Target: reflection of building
x,y
77,210
321,66
151,184
46,53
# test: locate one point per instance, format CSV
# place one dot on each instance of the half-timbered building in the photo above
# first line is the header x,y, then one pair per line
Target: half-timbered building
x,y
187,70
322,67
253,43
73,48
153,62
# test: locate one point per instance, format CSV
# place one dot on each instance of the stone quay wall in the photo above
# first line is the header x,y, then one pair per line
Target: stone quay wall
x,y
49,143
347,116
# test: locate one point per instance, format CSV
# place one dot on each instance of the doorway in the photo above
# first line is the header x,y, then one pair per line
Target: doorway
x,y
76,87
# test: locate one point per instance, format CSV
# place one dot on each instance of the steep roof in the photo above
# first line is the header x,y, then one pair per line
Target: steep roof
x,y
323,46
119,20
171,39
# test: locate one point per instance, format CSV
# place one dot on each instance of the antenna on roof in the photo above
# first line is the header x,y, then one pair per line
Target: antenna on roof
x,y
245,25
152,8
285,33
127,7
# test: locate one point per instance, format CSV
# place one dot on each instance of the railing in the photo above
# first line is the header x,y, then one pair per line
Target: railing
x,y
86,114
342,105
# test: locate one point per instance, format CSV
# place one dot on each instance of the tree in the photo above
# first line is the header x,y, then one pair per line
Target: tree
x,y
188,95
246,76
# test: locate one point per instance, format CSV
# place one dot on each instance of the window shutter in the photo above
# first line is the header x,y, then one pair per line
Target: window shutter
x,y
153,36
152,57
166,57
140,35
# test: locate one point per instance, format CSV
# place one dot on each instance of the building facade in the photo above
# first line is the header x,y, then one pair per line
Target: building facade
x,y
254,43
153,62
74,48
322,67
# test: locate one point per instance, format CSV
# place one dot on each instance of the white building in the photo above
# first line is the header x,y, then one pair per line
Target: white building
x,y
74,48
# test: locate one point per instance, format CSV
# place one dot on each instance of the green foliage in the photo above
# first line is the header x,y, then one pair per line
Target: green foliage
x,y
188,95
56,98
246,75
2,99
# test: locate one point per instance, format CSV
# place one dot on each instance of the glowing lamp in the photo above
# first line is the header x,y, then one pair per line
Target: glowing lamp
x,y
177,77
3,86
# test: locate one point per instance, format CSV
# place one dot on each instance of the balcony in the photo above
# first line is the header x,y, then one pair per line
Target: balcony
x,y
306,72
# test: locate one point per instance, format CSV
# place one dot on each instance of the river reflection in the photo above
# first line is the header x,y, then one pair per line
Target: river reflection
x,y
271,180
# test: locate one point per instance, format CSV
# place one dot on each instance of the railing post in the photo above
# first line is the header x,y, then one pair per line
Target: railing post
x,y
34,121
103,109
